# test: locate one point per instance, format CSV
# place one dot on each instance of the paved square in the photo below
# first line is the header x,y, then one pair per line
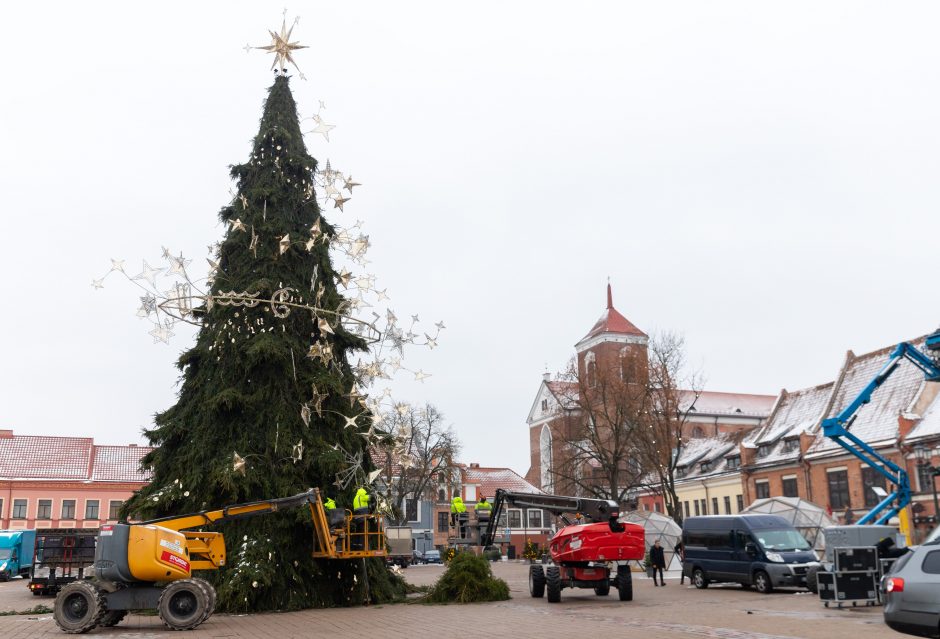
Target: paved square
x,y
673,612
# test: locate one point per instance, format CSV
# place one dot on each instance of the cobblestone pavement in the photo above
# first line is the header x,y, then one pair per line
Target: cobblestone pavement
x,y
673,612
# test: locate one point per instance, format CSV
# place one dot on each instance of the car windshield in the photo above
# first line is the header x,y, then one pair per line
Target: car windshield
x,y
432,553
4,553
781,540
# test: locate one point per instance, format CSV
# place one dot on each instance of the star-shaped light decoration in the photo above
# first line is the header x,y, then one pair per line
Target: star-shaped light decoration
x,y
282,47
238,463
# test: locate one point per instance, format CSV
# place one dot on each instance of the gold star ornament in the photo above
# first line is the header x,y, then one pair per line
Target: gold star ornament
x,y
281,47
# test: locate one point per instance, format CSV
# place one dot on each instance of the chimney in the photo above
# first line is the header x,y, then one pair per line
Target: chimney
x,y
474,465
132,445
6,433
906,423
546,377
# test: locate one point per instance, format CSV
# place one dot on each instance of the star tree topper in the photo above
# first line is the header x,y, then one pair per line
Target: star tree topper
x,y
281,47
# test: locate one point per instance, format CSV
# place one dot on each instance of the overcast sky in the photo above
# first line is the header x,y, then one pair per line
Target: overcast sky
x,y
762,179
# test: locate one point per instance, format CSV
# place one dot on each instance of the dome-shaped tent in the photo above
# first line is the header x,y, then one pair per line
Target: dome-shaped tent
x,y
661,527
808,518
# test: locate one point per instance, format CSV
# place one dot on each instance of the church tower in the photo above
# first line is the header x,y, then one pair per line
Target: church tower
x,y
614,343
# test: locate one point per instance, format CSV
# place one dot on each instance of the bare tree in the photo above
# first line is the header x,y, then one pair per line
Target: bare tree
x,y
604,408
673,391
420,448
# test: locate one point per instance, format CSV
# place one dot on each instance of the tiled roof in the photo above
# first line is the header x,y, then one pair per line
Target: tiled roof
x,y
119,463
877,421
741,404
489,479
796,412
715,450
612,322
68,459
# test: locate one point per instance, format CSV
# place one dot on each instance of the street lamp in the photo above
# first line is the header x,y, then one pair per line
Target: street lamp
x,y
923,462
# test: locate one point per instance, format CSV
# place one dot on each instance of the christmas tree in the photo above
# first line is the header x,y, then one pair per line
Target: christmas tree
x,y
268,405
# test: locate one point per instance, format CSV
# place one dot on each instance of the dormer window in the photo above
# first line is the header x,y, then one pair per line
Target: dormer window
x,y
791,445
763,450
705,467
733,462
680,471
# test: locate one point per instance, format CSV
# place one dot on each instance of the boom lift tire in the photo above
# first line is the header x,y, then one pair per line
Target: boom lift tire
x,y
210,591
183,605
603,589
78,608
536,582
553,583
624,583
762,583
112,618
699,580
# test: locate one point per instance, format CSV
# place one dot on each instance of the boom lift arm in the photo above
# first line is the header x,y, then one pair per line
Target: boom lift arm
x,y
207,549
597,510
838,428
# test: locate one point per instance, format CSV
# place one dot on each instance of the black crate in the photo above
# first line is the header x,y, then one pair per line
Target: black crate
x,y
826,584
863,559
856,586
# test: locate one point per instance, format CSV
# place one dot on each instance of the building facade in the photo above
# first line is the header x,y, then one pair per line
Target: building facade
x,y
65,482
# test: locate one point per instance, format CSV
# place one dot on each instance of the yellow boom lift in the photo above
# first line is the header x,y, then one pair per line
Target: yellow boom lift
x,y
149,565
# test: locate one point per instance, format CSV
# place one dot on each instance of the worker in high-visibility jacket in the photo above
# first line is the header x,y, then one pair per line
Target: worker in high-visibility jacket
x,y
360,528
483,509
361,502
456,507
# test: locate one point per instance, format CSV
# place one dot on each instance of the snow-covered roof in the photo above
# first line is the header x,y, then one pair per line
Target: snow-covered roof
x,y
796,412
489,479
876,422
69,459
929,425
712,450
718,403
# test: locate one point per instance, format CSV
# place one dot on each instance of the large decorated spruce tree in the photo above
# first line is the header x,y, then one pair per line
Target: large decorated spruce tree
x,y
267,406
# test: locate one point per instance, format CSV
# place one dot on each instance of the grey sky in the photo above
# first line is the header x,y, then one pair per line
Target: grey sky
x,y
759,178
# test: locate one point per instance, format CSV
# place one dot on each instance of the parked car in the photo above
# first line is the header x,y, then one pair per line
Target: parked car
x,y
763,551
431,557
911,590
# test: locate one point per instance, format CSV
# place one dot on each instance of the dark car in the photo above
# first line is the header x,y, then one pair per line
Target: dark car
x,y
912,590
431,557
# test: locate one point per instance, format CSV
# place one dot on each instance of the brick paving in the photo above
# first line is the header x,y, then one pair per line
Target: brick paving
x,y
674,612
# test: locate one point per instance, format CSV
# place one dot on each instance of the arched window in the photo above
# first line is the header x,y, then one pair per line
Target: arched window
x,y
626,365
590,369
698,433
545,458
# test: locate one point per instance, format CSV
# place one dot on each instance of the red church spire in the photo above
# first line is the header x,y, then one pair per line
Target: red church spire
x,y
610,297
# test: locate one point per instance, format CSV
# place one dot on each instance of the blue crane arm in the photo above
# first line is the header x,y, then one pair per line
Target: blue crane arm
x,y
838,429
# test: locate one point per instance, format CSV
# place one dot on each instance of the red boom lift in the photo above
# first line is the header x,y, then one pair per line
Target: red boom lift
x,y
582,555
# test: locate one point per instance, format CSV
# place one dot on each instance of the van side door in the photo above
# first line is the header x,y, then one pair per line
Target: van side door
x,y
742,558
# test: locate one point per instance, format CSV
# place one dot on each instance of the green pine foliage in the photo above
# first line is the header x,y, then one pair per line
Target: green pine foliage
x,y
468,579
246,379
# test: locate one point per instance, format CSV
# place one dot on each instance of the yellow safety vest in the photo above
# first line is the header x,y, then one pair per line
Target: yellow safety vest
x,y
484,505
456,505
361,500
329,504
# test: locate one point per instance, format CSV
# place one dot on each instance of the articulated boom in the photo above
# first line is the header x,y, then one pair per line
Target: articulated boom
x,y
596,510
838,428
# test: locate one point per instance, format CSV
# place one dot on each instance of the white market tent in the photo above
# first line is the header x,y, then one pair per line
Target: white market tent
x,y
661,527
808,518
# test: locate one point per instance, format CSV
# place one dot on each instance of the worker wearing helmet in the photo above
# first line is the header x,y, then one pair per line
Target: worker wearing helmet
x,y
333,516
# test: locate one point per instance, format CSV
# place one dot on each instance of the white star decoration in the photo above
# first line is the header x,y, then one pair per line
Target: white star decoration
x,y
281,47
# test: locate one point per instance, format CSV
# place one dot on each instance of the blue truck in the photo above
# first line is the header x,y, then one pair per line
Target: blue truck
x,y
16,553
